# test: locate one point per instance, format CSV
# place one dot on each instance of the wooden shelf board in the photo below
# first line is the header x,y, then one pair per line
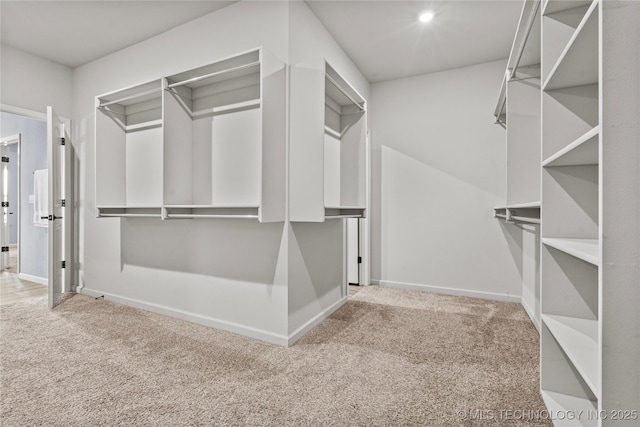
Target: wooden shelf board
x,y
559,403
578,63
578,338
585,249
582,151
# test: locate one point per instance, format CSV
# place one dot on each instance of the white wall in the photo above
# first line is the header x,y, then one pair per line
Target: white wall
x,y
438,167
316,274
233,274
226,273
30,82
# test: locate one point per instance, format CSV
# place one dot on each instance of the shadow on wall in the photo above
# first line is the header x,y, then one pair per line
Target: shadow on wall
x,y
234,249
513,236
316,258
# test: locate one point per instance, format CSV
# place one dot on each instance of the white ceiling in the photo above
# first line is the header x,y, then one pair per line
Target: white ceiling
x,y
383,38
386,41
76,32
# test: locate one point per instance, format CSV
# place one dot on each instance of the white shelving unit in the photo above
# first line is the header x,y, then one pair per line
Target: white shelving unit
x,y
589,360
129,134
328,170
518,111
204,143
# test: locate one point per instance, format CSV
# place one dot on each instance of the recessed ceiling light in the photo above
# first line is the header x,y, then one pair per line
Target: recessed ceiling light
x,y
426,16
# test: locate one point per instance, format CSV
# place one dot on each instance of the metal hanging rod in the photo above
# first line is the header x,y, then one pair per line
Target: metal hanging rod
x,y
344,92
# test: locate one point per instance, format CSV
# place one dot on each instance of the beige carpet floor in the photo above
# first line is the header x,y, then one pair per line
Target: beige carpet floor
x,y
388,357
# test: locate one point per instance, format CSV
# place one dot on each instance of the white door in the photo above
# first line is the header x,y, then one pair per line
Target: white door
x,y
353,251
60,212
4,209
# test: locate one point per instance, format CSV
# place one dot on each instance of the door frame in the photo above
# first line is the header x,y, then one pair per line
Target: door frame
x,y
10,140
42,116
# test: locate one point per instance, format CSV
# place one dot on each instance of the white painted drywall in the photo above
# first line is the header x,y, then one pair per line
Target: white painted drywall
x,y
227,273
316,271
438,168
233,274
30,82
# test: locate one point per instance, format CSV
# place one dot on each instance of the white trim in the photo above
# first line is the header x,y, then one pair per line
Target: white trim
x,y
531,314
35,279
38,115
449,291
224,325
316,320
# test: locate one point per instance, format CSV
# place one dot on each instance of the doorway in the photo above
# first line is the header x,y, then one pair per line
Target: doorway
x,y
354,257
23,261
10,208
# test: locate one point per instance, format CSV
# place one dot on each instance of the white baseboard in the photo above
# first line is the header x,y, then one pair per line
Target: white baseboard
x,y
36,279
449,291
299,333
531,314
236,328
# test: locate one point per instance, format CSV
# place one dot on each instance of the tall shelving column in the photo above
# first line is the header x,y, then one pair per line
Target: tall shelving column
x,y
518,111
590,348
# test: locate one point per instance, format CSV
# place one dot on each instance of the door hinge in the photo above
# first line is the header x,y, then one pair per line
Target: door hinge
x,y
5,204
62,141
63,203
5,159
5,249
359,260
64,264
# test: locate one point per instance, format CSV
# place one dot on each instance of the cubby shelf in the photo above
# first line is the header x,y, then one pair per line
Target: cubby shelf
x,y
582,151
585,249
555,6
559,404
204,143
578,62
578,338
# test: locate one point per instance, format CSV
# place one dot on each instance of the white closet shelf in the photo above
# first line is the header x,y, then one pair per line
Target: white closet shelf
x,y
129,212
211,206
211,211
135,98
578,62
582,151
578,338
143,126
225,109
516,218
527,205
338,212
560,403
585,249
554,6
332,132
218,76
